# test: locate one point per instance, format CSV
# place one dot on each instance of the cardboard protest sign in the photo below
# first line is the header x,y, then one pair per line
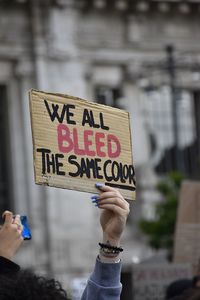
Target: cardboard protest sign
x,y
151,280
187,238
77,143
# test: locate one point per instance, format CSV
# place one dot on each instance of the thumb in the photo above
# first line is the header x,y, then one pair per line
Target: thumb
x,y
8,217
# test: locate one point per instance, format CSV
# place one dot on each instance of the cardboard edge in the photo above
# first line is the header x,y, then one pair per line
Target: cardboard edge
x,y
130,131
32,133
79,99
79,190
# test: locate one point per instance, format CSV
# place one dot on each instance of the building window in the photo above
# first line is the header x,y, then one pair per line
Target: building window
x,y
5,172
108,95
158,114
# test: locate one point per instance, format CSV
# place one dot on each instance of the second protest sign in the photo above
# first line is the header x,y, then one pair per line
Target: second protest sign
x,y
77,143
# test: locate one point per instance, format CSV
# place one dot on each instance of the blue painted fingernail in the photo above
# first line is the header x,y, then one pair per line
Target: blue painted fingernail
x,y
95,197
99,185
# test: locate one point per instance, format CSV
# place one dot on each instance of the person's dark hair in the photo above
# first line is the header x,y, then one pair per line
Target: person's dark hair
x,y
25,285
192,294
177,288
195,295
195,280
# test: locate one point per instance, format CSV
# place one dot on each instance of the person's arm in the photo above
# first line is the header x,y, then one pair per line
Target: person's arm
x,y
104,283
10,240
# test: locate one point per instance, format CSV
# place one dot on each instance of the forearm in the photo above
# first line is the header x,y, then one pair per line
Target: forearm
x,y
104,283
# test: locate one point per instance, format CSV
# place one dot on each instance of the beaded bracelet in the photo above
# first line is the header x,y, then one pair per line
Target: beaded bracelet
x,y
108,249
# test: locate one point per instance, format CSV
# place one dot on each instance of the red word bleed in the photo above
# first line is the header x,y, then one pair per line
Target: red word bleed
x,y
94,143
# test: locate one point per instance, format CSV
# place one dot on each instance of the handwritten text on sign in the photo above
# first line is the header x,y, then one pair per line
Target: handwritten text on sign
x,y
77,143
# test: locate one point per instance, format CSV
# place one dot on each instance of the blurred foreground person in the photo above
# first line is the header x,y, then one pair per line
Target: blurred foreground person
x,y
177,288
184,289
104,282
196,281
192,294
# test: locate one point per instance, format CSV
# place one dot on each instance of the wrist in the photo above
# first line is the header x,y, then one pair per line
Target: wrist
x,y
110,260
5,255
111,241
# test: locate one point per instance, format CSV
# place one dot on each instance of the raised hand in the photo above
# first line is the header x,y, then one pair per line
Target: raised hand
x,y
10,235
115,210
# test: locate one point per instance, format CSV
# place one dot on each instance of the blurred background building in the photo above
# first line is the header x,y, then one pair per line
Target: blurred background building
x,y
139,55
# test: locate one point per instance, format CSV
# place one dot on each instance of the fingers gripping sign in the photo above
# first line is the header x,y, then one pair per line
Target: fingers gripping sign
x,y
10,235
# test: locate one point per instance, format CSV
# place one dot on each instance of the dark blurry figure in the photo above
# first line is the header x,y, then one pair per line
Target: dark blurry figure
x,y
192,294
25,284
184,289
196,281
178,287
